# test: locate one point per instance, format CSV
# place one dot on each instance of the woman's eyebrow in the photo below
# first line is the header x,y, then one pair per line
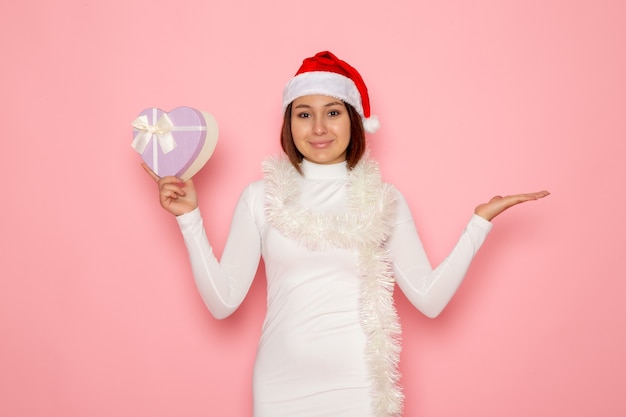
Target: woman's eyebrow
x,y
332,103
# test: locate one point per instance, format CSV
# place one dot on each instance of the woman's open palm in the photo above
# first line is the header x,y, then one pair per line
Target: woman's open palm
x,y
498,204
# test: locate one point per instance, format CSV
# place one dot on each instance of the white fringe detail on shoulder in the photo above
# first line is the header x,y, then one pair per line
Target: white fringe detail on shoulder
x,y
365,227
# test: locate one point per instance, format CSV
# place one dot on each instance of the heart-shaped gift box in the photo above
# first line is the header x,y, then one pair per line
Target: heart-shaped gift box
x,y
178,142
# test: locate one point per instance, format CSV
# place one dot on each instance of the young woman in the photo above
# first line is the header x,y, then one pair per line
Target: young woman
x,y
335,240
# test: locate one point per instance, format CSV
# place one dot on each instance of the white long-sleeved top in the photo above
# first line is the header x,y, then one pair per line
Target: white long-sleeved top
x,y
310,359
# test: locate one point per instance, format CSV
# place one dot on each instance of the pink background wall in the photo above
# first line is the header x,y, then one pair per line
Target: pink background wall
x,y
99,315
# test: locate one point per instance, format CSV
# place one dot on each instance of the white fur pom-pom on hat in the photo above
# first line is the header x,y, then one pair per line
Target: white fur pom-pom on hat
x,y
371,124
326,74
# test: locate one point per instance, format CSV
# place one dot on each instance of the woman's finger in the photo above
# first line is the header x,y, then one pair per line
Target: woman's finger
x,y
172,188
150,172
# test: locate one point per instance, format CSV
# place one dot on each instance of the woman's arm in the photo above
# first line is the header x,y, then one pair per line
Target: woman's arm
x,y
222,284
430,289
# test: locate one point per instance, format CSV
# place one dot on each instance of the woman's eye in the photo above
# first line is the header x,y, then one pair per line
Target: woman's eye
x,y
333,113
303,115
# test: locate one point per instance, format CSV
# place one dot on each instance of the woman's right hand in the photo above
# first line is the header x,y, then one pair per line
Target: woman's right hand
x,y
175,195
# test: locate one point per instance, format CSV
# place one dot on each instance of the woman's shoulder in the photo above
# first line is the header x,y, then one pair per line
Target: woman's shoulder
x,y
253,190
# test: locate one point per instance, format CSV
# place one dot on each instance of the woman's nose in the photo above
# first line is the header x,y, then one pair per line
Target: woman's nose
x,y
320,126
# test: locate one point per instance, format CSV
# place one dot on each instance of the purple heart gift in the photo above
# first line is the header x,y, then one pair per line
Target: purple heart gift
x,y
177,143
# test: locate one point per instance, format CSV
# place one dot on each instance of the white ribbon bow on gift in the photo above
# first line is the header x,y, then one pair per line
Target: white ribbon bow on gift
x,y
162,130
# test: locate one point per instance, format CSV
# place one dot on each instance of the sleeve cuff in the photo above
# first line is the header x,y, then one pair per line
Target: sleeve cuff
x,y
190,218
481,222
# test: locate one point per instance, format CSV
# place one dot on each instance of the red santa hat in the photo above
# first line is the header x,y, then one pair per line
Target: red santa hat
x,y
326,74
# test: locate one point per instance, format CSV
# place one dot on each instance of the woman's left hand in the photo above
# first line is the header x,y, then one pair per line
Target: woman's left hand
x,y
498,204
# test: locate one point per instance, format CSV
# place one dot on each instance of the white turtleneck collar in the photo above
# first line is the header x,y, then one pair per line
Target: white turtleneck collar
x,y
312,170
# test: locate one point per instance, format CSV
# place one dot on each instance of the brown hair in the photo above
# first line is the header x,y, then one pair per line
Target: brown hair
x,y
354,152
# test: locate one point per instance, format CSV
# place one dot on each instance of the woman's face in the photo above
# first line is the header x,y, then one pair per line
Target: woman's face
x,y
320,126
